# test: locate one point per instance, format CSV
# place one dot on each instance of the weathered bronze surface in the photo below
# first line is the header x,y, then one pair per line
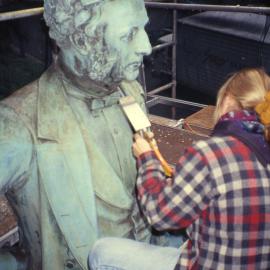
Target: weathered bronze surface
x,y
65,145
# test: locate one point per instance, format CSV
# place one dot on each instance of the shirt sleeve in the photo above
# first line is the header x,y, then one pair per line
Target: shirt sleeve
x,y
174,203
15,149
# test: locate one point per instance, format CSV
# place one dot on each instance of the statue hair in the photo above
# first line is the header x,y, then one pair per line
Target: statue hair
x,y
65,17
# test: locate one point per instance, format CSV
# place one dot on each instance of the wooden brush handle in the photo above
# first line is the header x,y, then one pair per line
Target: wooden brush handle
x,y
167,168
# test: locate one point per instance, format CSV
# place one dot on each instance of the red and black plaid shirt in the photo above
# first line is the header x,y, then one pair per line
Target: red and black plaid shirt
x,y
221,194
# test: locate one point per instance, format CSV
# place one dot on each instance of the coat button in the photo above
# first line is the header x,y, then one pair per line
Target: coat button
x,y
69,264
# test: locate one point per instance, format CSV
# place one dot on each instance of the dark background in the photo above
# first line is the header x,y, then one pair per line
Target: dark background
x,y
210,46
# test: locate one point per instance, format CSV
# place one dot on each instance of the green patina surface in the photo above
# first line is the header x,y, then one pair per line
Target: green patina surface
x,y
73,160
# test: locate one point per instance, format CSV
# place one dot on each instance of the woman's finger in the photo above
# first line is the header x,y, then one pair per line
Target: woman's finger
x,y
140,145
137,136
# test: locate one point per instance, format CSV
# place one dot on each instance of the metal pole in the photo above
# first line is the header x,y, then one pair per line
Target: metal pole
x,y
178,6
160,89
162,46
172,101
174,50
142,78
12,15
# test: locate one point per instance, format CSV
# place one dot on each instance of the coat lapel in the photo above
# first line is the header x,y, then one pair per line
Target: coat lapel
x,y
64,168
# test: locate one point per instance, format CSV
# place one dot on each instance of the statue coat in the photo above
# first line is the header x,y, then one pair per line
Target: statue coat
x,y
46,169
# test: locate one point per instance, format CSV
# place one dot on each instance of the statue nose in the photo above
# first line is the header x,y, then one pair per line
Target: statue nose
x,y
143,45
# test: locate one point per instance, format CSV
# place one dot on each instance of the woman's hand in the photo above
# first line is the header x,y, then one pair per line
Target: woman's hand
x,y
140,145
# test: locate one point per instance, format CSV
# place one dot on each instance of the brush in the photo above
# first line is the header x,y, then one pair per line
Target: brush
x,y
141,124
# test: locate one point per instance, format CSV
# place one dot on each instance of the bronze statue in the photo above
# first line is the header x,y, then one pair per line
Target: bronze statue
x,y
65,145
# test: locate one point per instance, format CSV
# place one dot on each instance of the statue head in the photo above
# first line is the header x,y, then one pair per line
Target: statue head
x,y
103,40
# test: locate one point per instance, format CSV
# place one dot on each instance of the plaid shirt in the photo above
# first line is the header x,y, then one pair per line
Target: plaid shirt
x,y
221,194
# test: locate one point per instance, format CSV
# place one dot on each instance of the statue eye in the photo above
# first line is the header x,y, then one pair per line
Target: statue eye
x,y
130,36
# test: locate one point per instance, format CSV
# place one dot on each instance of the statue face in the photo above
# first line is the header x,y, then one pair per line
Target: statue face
x,y
115,51
125,37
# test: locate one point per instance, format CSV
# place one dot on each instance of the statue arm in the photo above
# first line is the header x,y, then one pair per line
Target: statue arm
x,y
16,149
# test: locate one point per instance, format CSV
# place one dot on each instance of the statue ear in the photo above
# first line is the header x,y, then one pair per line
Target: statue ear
x,y
78,39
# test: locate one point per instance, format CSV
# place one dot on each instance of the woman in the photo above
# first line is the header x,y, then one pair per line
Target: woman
x,y
220,191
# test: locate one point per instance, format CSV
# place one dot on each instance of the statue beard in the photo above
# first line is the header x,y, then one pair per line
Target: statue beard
x,y
103,65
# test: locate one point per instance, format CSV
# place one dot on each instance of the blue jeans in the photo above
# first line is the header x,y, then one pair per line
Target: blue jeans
x,y
126,254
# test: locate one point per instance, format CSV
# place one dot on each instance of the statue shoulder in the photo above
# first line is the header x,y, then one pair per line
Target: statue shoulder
x,y
22,101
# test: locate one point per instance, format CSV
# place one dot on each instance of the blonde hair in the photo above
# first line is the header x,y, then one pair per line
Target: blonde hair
x,y
248,87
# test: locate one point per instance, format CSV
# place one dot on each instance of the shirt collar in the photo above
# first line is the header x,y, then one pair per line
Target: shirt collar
x,y
92,101
97,96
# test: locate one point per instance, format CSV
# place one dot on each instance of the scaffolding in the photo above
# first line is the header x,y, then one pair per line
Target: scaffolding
x,y
152,95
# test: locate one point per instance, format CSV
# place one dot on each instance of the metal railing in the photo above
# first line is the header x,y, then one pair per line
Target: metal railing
x,y
13,15
193,7
201,7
